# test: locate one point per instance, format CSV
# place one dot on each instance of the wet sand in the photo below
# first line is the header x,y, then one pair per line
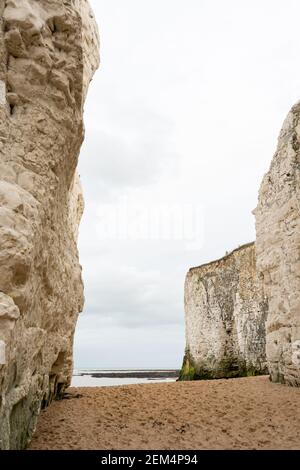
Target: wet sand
x,y
246,413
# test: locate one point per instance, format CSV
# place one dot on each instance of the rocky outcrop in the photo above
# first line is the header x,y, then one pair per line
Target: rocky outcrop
x,y
225,317
278,253
48,54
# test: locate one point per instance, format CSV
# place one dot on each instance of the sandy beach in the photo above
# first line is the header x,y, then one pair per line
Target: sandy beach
x,y
246,413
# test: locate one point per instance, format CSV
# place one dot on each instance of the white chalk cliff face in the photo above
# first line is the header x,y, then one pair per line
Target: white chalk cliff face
x,y
225,316
278,252
48,54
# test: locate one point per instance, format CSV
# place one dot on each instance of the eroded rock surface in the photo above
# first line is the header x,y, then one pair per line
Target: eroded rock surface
x,y
278,252
48,54
225,315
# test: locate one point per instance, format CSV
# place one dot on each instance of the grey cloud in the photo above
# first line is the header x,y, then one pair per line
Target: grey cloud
x,y
99,342
112,161
183,95
133,297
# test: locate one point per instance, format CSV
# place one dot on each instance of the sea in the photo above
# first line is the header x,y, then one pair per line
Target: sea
x,y
117,377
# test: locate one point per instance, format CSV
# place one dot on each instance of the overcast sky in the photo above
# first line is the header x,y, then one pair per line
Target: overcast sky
x,y
182,121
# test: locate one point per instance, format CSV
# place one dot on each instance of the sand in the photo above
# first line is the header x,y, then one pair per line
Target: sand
x,y
246,413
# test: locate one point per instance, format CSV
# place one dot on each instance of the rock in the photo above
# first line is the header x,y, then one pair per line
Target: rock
x,y
225,317
278,252
48,52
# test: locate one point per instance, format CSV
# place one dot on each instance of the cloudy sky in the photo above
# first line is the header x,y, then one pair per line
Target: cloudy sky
x,y
182,121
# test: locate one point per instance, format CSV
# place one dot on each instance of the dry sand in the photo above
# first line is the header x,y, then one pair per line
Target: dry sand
x,y
246,413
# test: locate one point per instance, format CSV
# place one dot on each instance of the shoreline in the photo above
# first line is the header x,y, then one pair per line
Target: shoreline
x,y
138,374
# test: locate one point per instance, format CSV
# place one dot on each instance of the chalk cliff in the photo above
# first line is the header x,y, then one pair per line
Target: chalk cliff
x,y
278,253
48,54
225,317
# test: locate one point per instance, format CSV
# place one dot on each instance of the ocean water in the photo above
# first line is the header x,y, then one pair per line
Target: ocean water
x,y
85,378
